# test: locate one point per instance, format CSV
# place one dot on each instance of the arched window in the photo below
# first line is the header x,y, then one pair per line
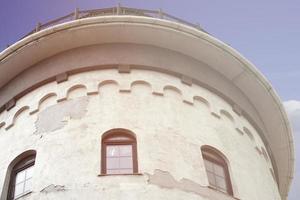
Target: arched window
x,y
21,175
119,152
217,170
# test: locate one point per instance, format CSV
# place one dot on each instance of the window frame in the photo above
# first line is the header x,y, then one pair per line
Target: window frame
x,y
21,165
130,140
213,155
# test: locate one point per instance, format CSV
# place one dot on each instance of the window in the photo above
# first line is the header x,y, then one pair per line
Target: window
x,y
217,170
119,152
21,177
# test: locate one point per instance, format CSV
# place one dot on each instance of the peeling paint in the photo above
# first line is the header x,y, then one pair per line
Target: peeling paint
x,y
55,117
166,180
53,188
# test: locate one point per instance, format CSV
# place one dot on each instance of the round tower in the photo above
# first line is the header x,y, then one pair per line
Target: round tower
x,y
123,103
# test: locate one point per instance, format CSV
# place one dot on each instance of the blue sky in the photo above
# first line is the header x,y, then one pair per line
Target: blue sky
x,y
266,32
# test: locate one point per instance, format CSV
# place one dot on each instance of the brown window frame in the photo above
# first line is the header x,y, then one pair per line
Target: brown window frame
x,y
107,139
215,156
18,167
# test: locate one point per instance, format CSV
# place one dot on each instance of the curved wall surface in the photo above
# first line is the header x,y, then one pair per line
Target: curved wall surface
x,y
63,122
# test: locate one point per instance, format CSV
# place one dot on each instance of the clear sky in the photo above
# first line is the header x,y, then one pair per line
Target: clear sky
x,y
267,32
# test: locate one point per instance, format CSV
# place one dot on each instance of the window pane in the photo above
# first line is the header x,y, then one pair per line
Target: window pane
x,y
211,178
19,189
221,183
112,163
125,150
20,177
112,151
208,165
29,172
126,162
112,171
28,185
219,170
119,171
126,171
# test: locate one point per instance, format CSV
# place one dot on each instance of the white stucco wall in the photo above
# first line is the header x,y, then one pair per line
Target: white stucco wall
x,y
171,121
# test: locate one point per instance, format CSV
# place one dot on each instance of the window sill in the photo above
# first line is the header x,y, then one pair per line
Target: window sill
x,y
134,174
223,193
23,195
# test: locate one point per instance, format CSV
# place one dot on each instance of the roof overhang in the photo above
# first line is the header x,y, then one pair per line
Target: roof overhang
x,y
174,36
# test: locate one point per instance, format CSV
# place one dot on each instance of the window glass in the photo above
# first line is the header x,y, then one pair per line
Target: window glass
x,y
119,171
112,151
112,163
119,159
23,181
126,163
217,171
21,177
119,152
28,185
211,178
125,150
125,171
208,165
19,188
220,183
216,176
29,172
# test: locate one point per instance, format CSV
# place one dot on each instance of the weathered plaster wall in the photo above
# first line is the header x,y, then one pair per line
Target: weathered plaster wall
x,y
171,120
